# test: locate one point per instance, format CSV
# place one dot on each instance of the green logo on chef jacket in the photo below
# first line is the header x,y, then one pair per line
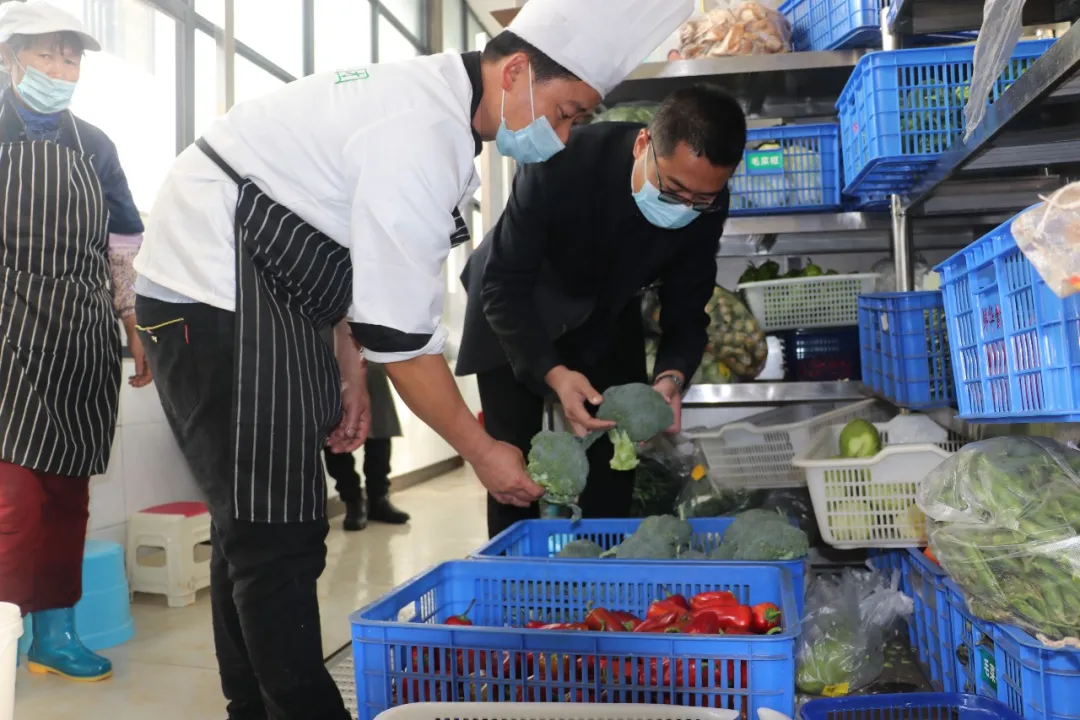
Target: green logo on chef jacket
x,y
760,162
351,75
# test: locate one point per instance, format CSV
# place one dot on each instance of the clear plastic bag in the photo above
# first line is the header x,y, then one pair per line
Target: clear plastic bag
x,y
1049,236
998,36
1003,518
736,27
844,627
666,466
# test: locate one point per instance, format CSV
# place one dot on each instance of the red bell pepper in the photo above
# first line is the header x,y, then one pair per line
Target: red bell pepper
x,y
663,607
566,627
658,624
602,620
535,624
704,623
463,618
681,626
679,600
765,617
628,620
738,617
716,598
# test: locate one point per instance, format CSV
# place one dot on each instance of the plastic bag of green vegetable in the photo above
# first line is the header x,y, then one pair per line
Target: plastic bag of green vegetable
x,y
735,338
846,621
1003,519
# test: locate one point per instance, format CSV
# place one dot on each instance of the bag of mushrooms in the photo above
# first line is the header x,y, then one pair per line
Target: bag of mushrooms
x,y
735,27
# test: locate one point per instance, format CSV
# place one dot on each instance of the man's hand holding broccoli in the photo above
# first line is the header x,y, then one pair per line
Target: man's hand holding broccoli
x,y
574,390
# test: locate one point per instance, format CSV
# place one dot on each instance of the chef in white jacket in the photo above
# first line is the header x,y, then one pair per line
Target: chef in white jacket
x,y
332,203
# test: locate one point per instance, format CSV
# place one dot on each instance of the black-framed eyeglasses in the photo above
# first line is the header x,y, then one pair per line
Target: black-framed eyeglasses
x,y
673,199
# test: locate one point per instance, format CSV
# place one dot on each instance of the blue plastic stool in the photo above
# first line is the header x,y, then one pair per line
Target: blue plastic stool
x,y
103,615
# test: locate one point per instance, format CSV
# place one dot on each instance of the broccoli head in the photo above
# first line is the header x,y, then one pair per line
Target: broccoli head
x,y
581,549
558,464
782,542
639,413
641,546
762,535
668,527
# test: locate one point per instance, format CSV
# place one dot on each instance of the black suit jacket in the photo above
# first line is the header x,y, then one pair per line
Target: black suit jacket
x,y
570,252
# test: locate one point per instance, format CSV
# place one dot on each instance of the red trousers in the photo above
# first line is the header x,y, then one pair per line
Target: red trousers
x,y
42,536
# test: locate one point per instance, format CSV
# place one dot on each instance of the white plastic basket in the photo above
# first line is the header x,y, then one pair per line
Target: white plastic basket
x,y
799,303
870,502
756,453
551,711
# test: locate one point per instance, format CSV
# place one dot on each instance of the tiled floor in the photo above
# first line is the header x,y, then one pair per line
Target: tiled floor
x,y
168,671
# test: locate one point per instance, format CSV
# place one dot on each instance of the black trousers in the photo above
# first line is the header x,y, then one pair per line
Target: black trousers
x,y
342,468
263,576
513,413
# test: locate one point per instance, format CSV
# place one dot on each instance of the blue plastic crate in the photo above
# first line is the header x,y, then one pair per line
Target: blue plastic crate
x,y
404,654
1015,345
933,620
905,348
902,108
822,355
834,24
788,169
975,652
1036,681
908,706
841,24
543,539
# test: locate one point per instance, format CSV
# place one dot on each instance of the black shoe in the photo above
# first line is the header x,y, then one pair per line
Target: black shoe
x,y
356,518
383,511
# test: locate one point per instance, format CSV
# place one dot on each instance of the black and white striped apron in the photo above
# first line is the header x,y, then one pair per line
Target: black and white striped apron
x,y
59,337
292,282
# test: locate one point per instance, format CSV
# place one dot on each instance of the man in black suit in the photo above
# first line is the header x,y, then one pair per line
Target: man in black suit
x,y
554,300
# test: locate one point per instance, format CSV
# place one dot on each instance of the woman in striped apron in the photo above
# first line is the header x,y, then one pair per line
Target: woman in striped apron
x,y
69,232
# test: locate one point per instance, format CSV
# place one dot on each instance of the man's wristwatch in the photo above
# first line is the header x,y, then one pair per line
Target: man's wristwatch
x,y
680,384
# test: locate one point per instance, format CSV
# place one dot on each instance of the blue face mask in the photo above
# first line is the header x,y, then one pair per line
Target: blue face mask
x,y
44,94
661,214
534,143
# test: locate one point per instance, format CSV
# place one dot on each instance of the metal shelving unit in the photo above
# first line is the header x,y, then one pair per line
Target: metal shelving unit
x,y
1027,146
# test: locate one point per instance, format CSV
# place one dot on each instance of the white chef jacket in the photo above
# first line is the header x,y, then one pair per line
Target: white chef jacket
x,y
375,157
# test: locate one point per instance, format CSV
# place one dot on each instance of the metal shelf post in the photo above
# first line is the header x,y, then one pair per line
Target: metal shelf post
x,y
902,243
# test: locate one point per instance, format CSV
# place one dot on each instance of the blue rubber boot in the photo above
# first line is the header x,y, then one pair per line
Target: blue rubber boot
x,y
57,649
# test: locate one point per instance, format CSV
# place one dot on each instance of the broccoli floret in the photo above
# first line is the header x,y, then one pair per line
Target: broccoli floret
x,y
639,413
645,547
558,464
581,549
761,535
781,542
725,551
693,555
668,527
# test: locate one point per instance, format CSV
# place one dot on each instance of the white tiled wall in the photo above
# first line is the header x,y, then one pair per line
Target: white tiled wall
x,y
146,467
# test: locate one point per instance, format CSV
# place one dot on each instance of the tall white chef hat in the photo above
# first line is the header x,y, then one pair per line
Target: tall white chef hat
x,y
600,41
38,17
